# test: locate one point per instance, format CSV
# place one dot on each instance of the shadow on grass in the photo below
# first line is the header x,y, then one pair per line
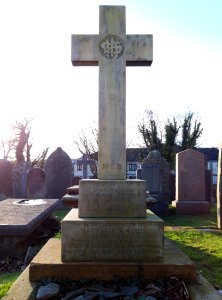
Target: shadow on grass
x,y
193,221
204,248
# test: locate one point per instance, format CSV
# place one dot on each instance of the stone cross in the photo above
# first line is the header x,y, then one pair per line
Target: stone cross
x,y
112,50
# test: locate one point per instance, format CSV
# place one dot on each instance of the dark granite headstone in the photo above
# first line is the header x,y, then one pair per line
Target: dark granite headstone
x,y
35,184
172,185
5,178
58,171
156,172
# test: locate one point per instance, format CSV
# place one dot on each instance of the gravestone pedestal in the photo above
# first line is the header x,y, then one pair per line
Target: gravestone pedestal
x,y
112,239
112,198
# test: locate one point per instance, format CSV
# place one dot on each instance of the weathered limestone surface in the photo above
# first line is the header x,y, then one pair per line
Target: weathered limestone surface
x,y
112,198
114,239
175,263
112,50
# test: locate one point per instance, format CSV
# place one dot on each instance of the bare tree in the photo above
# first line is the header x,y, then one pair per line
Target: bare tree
x,y
8,147
22,133
39,161
89,147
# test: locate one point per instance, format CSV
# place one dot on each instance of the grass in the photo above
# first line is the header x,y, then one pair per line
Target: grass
x,y
6,281
60,213
193,221
202,246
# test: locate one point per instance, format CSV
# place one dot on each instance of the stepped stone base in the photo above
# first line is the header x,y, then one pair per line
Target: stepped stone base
x,y
191,207
112,239
47,263
112,198
23,289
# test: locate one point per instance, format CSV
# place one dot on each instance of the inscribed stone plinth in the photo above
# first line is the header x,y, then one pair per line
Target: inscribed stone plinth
x,y
190,183
156,173
58,173
112,198
18,221
219,189
113,239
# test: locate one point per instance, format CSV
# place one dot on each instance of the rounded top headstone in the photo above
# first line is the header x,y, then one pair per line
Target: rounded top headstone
x,y
58,170
154,154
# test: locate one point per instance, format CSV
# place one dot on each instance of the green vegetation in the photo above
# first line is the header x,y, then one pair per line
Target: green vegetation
x,y
204,248
198,237
60,213
192,221
175,134
6,281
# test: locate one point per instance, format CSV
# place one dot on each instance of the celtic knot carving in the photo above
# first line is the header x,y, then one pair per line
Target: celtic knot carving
x,y
111,47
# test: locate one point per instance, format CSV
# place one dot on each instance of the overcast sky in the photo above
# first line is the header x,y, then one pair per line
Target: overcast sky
x,y
38,80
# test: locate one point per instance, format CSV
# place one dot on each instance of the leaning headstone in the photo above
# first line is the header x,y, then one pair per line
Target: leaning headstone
x,y
156,172
5,179
219,189
190,183
58,174
35,184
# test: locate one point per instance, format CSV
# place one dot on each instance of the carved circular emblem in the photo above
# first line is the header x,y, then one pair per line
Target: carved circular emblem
x,y
111,46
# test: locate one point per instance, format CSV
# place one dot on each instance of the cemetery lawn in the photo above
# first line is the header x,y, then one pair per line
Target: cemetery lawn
x,y
6,281
193,221
199,238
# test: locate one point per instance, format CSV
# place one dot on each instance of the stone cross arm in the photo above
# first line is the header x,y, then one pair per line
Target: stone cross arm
x,y
138,50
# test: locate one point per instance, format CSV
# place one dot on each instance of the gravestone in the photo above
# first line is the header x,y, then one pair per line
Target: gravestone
x,y
20,173
112,223
172,185
190,183
5,179
156,172
18,220
97,240
35,184
58,173
219,189
208,185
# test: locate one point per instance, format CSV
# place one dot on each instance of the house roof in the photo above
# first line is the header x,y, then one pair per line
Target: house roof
x,y
209,153
138,154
